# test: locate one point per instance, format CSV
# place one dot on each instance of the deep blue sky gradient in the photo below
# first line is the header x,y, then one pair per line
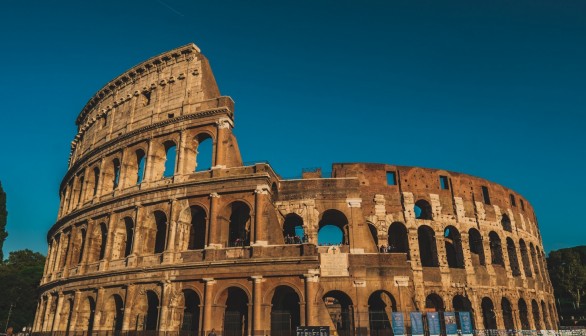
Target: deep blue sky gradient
x,y
490,88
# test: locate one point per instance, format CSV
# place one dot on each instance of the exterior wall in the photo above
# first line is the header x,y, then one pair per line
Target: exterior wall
x,y
124,242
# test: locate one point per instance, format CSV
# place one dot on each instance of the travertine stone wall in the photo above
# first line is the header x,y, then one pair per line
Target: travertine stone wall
x,y
163,245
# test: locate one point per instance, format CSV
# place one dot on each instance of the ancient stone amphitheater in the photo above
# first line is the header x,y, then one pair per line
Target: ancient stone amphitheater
x,y
150,238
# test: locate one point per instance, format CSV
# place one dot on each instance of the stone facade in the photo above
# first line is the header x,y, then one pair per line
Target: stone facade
x,y
148,240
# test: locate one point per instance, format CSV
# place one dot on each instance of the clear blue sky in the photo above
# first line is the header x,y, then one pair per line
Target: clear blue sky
x,y
495,89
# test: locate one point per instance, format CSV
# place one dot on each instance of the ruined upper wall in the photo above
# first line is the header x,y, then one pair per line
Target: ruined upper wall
x,y
171,84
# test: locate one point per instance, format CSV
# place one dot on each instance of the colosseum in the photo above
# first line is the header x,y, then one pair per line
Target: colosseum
x,y
162,227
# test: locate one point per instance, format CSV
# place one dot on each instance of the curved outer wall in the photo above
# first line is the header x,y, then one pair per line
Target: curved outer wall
x,y
136,247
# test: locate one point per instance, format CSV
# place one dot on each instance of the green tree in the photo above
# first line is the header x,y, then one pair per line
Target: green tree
x,y
20,275
567,270
3,217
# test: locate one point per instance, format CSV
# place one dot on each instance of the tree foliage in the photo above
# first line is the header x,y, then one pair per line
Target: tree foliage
x,y
567,271
3,218
20,275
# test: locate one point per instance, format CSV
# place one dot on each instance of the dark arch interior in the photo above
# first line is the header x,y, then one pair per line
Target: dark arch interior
x,y
161,235
82,235
524,315
525,258
476,249
453,246
507,314
293,229
332,219
398,241
488,314
191,312
152,314
91,308
197,232
239,234
103,240
236,314
513,261
339,306
285,316
118,312
536,318
461,303
380,306
129,228
496,250
506,223
422,210
373,233
427,246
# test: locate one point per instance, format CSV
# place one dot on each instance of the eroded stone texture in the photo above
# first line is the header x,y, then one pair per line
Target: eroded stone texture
x,y
138,247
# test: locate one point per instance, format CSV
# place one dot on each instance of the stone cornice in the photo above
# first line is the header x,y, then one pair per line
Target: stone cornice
x,y
93,152
133,73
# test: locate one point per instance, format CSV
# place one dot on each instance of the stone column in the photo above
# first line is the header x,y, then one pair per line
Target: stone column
x,y
74,313
109,243
149,163
169,255
213,239
311,311
40,314
100,179
257,327
126,320
259,220
182,156
224,124
46,321
208,302
57,259
57,317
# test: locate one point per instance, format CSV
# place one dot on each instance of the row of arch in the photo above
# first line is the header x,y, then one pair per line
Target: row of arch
x,y
285,312
423,210
145,162
153,235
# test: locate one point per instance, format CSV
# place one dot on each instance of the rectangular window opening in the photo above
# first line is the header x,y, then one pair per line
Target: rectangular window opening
x,y
444,182
513,202
391,178
485,195
522,204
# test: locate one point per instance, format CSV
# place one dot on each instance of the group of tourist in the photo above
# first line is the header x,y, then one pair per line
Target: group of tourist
x,y
290,239
386,249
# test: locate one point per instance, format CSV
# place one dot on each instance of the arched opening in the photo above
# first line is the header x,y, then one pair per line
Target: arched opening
x,y
398,241
82,237
197,230
373,233
434,303
116,173
506,223
513,261
476,248
285,316
545,315
536,318
140,164
80,192
204,152
496,249
114,313
380,306
488,314
525,258
96,181
427,246
340,308
102,240
422,210
534,259
236,313
86,315
507,314
333,228
293,232
524,315
461,303
191,312
161,231
170,158
129,231
239,227
152,314
453,245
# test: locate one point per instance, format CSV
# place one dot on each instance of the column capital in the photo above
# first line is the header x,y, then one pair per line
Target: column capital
x,y
354,202
214,195
262,189
311,277
225,123
257,278
209,281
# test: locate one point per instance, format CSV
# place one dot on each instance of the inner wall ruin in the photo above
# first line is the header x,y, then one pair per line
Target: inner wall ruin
x,y
148,237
